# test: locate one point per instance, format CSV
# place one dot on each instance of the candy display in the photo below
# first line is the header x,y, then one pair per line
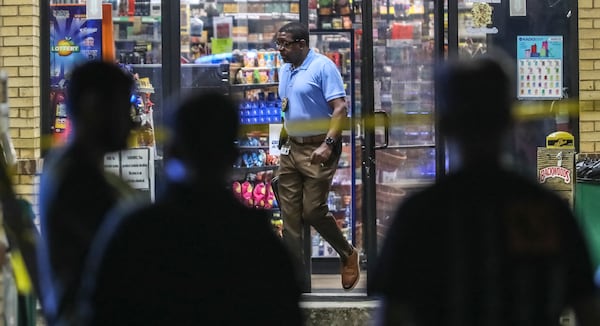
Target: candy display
x,y
256,190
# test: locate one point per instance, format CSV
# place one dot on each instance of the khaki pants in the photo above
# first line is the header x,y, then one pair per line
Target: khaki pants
x,y
303,192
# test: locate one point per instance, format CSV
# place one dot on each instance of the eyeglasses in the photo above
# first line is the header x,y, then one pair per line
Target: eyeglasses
x,y
285,44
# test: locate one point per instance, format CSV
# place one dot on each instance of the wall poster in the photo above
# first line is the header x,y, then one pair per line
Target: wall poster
x,y
73,39
539,67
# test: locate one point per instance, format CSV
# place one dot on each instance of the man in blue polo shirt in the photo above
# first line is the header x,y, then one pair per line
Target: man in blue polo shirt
x,y
314,106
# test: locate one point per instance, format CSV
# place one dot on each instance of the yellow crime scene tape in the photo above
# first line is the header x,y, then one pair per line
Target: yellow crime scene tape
x,y
522,111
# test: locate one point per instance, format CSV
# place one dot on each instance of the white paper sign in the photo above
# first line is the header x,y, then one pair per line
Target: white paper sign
x,y
135,166
112,163
93,9
274,132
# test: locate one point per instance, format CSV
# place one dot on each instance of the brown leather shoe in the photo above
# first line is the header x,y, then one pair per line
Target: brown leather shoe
x,y
350,271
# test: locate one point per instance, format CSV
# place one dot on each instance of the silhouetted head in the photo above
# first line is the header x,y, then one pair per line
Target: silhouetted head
x,y
99,106
202,132
475,99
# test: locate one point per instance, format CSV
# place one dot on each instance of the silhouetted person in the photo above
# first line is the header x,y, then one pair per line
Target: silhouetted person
x,y
196,256
483,246
75,192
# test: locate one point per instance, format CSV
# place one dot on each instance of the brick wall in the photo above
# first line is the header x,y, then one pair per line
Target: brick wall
x,y
589,75
19,57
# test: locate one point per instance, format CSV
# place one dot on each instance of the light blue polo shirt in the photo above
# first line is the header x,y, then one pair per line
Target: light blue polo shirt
x,y
308,89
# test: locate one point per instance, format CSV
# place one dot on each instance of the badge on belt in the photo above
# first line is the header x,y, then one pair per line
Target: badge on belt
x,y
284,104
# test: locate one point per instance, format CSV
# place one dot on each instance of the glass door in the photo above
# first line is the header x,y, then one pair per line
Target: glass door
x,y
403,87
400,154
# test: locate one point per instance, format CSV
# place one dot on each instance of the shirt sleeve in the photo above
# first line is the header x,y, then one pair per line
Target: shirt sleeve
x,y
332,83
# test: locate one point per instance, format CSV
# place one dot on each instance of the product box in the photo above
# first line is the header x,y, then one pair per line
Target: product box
x,y
240,31
230,8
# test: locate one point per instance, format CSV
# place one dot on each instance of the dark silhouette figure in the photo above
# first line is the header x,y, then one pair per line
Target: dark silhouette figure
x,y
483,246
75,192
196,256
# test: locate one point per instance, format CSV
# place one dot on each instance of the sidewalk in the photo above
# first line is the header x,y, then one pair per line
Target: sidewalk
x,y
330,305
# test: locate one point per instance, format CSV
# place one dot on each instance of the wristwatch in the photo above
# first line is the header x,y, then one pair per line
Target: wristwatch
x,y
329,141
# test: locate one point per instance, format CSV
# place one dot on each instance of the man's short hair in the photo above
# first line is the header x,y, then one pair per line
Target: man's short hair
x,y
297,30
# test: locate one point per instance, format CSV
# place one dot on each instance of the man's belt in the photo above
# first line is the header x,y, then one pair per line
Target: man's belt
x,y
316,139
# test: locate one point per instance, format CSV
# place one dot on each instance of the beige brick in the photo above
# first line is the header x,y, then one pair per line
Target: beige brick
x,y
589,95
586,126
587,85
13,113
586,64
9,11
26,179
31,112
583,116
29,72
29,31
586,23
18,40
14,132
33,71
28,123
31,142
9,31
586,147
589,54
588,33
586,136
586,105
24,189
596,23
20,102
19,2
12,73
28,51
21,21
29,132
596,3
597,85
596,64
23,82
17,61
585,4
29,10
586,44
29,91
590,13
589,75
10,51
596,125
29,153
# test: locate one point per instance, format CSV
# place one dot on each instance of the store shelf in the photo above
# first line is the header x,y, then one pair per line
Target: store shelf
x,y
263,16
255,169
245,87
140,39
133,19
252,147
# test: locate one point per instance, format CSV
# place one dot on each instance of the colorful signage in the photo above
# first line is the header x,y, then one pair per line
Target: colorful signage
x,y
73,39
539,67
